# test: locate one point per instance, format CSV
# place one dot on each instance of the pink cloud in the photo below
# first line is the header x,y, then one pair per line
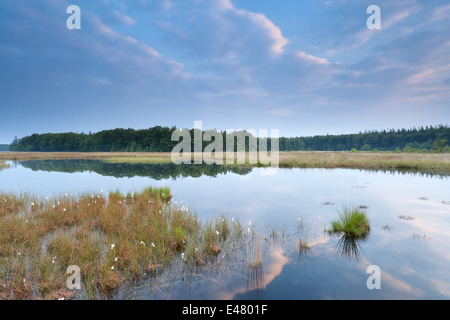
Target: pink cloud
x,y
310,58
272,31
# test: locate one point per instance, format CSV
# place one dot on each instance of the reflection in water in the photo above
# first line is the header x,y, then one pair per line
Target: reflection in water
x,y
259,277
350,246
409,172
3,165
255,282
160,171
410,268
129,170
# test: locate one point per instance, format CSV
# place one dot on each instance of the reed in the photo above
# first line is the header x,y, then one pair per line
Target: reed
x,y
254,250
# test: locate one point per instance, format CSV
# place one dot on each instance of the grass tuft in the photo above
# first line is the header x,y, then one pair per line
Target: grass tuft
x,y
352,222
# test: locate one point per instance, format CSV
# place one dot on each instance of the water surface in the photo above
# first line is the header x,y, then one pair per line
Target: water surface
x,y
409,215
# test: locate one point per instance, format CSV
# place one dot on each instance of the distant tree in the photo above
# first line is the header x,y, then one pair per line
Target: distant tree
x,y
366,147
439,145
158,139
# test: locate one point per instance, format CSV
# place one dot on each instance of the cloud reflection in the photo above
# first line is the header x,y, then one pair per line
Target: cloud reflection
x,y
258,278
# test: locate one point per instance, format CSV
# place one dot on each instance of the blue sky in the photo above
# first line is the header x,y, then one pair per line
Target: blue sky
x,y
304,67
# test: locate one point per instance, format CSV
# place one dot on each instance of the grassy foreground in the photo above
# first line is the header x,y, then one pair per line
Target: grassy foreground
x,y
114,240
434,162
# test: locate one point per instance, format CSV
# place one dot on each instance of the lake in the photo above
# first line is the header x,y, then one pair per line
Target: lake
x,y
409,215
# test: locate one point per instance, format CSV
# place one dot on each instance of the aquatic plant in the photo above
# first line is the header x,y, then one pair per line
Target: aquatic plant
x,y
303,246
352,222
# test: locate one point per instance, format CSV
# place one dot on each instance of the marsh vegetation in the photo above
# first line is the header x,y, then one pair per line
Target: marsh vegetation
x,y
114,240
352,222
428,162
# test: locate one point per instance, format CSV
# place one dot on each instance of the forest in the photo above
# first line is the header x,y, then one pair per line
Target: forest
x,y
158,139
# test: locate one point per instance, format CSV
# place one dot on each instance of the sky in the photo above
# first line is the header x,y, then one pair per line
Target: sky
x,y
304,67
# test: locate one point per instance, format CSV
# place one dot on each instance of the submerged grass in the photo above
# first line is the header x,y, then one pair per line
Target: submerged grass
x,y
352,222
114,240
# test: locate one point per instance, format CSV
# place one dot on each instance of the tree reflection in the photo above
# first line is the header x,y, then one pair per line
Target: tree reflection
x,y
159,171
3,165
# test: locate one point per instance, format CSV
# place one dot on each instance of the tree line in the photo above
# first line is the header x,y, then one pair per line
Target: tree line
x,y
429,138
159,139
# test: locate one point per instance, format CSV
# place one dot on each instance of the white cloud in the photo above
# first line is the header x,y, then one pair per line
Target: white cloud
x,y
124,18
441,13
271,31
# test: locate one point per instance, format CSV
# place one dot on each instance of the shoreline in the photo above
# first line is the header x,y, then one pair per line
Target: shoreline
x,y
435,162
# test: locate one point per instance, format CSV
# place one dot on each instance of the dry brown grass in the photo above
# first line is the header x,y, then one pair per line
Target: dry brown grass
x,y
439,162
367,160
112,156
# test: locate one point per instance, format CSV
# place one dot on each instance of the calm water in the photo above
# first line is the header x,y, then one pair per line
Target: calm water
x,y
409,215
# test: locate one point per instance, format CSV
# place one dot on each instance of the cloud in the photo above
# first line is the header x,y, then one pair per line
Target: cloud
x,y
218,58
124,18
311,59
100,70
402,11
421,76
441,13
278,260
221,29
272,32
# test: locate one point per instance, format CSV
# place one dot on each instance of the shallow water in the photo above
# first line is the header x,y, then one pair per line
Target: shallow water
x,y
409,215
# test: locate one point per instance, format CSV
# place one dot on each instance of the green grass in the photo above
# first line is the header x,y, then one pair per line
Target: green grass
x,y
352,222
